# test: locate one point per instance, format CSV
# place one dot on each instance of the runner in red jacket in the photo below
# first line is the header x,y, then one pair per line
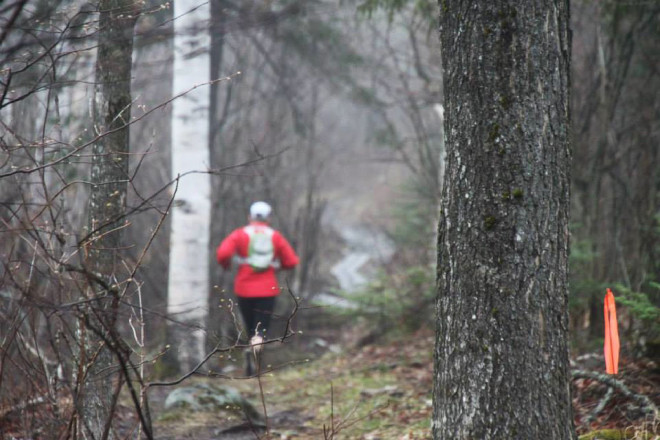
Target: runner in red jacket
x,y
256,285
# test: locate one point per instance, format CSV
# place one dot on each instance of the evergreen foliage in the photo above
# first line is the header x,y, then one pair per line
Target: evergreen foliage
x,y
641,307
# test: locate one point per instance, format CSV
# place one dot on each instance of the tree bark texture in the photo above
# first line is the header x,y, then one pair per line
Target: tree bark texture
x,y
501,357
109,177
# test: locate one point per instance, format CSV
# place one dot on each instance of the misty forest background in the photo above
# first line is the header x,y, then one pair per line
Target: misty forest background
x,y
331,111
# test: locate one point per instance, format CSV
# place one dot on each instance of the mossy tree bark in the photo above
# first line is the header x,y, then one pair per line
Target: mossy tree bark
x,y
109,177
501,358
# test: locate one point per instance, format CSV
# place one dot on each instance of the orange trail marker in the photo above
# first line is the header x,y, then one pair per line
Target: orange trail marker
x,y
611,335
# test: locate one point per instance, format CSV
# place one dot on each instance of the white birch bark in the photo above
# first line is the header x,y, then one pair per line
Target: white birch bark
x,y
189,240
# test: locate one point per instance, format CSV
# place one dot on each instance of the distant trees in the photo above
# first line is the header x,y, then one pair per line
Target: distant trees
x,y
615,233
294,62
501,358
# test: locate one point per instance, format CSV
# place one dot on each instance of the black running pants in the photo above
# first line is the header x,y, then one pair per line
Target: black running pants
x,y
257,313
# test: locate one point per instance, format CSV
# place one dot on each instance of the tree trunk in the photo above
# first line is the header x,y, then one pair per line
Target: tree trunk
x,y
109,177
188,285
216,323
501,358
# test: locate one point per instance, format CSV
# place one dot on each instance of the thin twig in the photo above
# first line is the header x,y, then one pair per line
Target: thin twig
x,y
287,329
257,360
194,370
114,130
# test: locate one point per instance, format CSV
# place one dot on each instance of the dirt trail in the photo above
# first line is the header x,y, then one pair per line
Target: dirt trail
x,y
363,245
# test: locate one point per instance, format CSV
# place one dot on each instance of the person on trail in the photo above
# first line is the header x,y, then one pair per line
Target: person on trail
x,y
259,250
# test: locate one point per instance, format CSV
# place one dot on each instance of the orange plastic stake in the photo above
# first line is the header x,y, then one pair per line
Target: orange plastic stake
x,y
611,335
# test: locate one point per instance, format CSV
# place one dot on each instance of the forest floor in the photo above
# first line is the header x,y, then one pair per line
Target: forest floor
x,y
379,391
373,392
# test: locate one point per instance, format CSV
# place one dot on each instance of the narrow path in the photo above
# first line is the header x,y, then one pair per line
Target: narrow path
x,y
364,244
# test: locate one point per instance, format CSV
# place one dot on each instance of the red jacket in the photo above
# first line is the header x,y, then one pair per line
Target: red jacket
x,y
248,282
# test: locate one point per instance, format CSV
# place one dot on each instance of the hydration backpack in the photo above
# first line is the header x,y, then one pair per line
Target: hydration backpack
x,y
261,251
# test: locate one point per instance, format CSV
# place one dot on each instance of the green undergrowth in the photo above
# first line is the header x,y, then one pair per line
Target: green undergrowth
x,y
375,392
379,391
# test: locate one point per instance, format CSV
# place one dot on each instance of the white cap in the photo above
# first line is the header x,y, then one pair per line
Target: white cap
x,y
260,210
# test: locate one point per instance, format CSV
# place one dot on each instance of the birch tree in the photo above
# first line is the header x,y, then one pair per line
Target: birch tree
x,y
189,240
501,357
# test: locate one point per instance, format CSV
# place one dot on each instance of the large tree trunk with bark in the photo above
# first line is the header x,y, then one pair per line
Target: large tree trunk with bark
x,y
109,177
501,359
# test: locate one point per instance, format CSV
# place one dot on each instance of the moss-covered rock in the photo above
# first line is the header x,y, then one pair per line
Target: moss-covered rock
x,y
208,397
